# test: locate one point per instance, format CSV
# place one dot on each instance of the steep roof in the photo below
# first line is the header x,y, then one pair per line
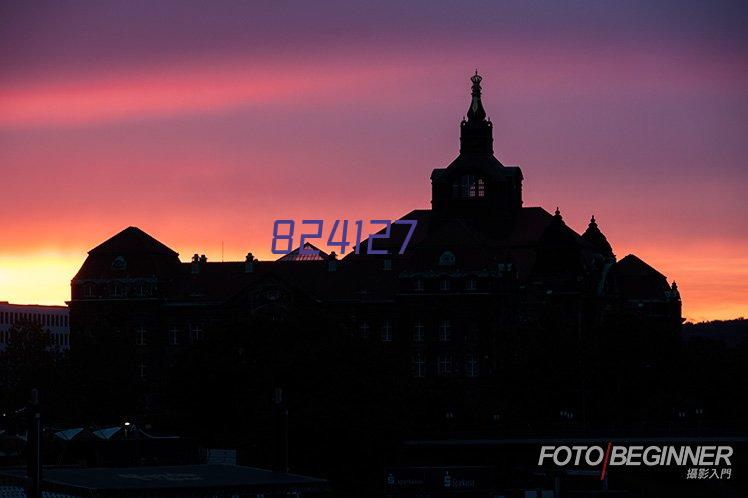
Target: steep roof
x,y
632,266
594,236
632,278
132,240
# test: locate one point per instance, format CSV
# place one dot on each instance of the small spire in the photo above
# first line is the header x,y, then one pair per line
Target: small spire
x,y
674,292
594,236
558,212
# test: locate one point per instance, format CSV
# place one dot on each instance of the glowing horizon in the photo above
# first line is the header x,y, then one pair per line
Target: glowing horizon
x,y
204,132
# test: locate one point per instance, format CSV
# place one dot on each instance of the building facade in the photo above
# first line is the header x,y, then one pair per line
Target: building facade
x,y
54,320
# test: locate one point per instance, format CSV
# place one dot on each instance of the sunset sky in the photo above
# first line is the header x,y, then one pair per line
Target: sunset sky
x,y
202,122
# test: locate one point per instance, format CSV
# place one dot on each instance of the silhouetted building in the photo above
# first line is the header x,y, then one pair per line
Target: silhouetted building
x,y
484,282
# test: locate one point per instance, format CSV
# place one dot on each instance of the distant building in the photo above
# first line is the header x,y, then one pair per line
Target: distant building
x,y
53,320
196,481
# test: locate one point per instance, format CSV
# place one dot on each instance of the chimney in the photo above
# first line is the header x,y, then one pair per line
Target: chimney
x,y
195,266
249,263
332,262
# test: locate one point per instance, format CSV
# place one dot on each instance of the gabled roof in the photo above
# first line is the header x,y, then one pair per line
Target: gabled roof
x,y
632,278
295,255
132,240
632,266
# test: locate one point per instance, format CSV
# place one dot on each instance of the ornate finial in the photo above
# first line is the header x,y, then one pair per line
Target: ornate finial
x,y
476,111
558,212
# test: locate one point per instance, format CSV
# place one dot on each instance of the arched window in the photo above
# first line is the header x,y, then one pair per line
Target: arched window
x,y
469,187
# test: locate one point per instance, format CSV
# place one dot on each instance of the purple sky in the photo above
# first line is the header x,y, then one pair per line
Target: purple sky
x,y
202,122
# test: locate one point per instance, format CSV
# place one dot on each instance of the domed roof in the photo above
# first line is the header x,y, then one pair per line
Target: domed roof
x,y
594,236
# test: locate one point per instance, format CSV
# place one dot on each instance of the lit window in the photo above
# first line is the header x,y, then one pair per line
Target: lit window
x,y
481,187
386,332
469,187
445,330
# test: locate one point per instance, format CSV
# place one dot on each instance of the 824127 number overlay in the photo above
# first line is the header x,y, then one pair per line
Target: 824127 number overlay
x,y
283,235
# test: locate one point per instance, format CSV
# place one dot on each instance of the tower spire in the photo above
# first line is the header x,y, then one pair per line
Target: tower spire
x,y
476,111
475,130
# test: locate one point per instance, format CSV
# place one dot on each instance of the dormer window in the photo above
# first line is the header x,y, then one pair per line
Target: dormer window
x,y
447,258
469,187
